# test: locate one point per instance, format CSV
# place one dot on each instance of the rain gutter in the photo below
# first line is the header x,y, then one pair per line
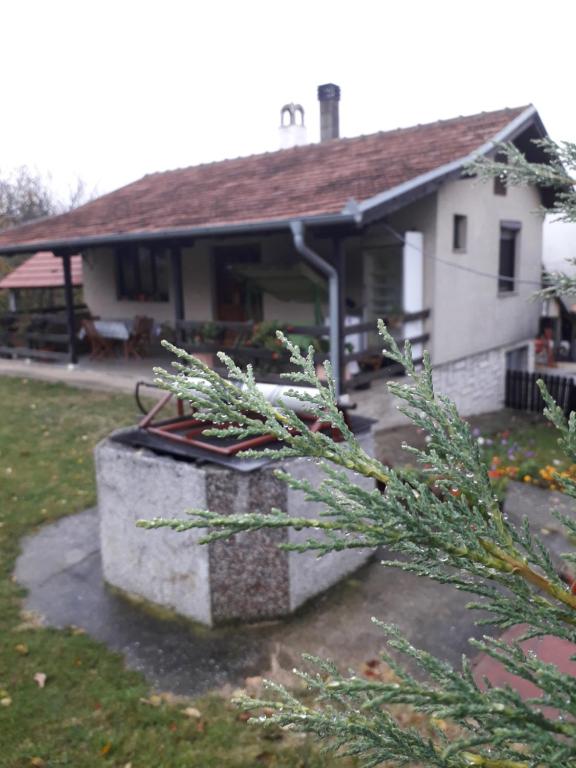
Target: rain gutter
x,y
175,233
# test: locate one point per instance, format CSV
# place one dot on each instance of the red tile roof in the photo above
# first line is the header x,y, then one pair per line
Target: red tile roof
x,y
313,180
43,270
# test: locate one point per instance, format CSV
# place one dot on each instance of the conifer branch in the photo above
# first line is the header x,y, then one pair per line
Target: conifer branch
x,y
447,524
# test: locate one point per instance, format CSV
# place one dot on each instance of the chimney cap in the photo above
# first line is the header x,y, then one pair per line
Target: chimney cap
x,y
291,111
329,92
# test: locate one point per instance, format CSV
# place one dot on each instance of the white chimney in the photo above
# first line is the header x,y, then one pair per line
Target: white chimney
x,y
292,129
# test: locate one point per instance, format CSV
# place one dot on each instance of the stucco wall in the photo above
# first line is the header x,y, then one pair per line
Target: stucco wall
x,y
469,316
101,295
276,249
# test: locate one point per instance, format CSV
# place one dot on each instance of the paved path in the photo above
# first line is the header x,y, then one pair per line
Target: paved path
x,y
111,375
60,567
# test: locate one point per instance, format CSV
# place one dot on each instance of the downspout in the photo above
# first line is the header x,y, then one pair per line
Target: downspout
x,y
297,229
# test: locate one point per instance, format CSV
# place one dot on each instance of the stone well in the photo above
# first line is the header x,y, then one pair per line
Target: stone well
x,y
246,578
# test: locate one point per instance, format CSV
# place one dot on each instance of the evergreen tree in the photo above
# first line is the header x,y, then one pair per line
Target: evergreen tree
x,y
451,530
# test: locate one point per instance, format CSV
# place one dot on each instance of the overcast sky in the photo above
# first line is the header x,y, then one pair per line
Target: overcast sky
x,y
109,91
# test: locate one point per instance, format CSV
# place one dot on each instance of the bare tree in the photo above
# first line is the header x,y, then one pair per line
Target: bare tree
x,y
25,196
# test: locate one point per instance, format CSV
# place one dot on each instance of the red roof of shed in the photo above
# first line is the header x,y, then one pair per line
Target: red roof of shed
x,y
43,270
308,181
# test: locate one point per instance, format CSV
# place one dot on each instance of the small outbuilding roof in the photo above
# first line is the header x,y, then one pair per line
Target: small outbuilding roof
x,y
314,183
42,270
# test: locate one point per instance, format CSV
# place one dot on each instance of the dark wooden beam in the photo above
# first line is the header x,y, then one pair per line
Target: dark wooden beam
x,y
177,287
69,297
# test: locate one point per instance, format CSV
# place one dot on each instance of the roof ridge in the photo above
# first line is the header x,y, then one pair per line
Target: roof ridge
x,y
330,142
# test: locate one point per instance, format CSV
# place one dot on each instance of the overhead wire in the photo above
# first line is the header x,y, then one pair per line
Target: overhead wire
x,y
461,267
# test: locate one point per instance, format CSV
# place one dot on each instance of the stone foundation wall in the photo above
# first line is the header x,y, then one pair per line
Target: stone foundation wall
x,y
475,383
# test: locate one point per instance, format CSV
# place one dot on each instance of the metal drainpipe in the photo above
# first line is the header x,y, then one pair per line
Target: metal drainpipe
x,y
297,229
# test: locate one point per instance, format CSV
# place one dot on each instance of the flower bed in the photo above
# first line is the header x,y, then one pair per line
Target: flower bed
x,y
520,457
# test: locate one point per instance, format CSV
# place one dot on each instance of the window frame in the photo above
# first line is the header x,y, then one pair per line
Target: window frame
x,y
500,186
459,233
507,285
134,254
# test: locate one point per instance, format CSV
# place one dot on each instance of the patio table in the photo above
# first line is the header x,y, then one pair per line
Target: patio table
x,y
111,329
114,329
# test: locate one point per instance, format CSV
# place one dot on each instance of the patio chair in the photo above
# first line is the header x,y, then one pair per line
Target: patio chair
x,y
99,346
140,339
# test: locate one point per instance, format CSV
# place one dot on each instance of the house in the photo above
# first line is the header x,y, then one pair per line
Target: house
x,y
326,235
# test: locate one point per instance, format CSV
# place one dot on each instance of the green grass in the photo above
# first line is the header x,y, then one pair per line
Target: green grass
x,y
92,711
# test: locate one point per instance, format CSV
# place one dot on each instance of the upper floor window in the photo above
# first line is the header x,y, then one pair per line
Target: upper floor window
x,y
459,232
509,233
142,273
500,187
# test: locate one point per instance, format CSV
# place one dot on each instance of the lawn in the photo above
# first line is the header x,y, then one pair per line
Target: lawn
x,y
91,711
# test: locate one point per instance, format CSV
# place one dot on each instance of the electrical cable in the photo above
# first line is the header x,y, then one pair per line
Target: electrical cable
x,y
462,267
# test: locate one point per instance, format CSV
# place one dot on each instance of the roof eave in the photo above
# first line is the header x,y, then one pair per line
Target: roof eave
x,y
175,234
386,202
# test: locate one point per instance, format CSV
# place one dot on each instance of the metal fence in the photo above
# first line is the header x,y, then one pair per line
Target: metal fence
x,y
523,394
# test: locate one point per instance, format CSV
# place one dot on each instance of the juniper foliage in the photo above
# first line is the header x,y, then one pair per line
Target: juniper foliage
x,y
446,524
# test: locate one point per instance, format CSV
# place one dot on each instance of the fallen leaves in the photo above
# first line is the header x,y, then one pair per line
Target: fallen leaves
x,y
5,701
154,700
22,649
192,712
106,749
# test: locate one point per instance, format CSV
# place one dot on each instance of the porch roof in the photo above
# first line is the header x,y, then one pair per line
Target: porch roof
x,y
335,182
42,270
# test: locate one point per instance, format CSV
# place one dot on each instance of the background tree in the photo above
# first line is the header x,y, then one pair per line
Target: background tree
x,y
25,196
445,524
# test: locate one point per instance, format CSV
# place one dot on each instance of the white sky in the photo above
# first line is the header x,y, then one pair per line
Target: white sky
x,y
109,91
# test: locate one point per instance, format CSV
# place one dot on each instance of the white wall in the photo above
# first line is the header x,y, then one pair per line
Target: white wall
x,y
468,314
280,248
101,296
559,245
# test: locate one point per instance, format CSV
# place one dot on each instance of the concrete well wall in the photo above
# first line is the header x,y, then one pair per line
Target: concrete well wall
x,y
244,578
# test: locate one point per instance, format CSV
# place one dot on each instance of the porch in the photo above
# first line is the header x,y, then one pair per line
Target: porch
x,y
234,294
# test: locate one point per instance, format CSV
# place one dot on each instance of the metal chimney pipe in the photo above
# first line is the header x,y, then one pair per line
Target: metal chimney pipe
x,y
329,98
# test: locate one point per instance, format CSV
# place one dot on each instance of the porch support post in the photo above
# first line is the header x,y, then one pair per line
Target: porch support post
x,y
69,297
413,286
177,287
339,261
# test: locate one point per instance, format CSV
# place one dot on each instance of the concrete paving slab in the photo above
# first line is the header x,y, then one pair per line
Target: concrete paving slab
x,y
60,567
538,506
